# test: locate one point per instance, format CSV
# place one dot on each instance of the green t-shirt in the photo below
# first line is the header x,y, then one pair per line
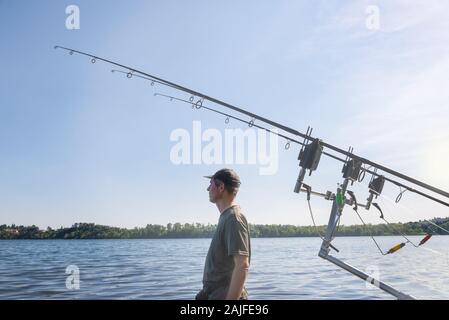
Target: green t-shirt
x,y
231,238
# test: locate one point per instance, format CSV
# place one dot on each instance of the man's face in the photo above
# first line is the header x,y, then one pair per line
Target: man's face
x,y
216,189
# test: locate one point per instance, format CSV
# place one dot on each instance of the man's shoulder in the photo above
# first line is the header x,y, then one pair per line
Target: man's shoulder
x,y
234,211
235,214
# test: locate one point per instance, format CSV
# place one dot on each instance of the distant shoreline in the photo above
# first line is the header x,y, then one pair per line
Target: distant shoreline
x,y
91,231
285,237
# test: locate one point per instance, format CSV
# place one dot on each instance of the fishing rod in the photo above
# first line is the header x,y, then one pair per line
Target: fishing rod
x,y
307,137
354,169
250,123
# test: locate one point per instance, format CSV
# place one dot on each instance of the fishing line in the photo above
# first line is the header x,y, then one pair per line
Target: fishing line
x,y
414,213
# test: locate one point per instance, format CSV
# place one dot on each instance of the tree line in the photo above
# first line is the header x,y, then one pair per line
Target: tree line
x,y
198,230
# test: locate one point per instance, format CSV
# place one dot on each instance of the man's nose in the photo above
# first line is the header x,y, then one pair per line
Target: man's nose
x,y
208,188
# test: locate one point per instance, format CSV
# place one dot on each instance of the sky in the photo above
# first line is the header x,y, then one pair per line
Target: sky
x,y
81,144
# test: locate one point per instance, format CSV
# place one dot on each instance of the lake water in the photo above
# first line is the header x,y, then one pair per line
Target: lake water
x,y
281,268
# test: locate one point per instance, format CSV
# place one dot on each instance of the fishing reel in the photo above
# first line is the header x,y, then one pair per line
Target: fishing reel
x,y
309,158
351,169
375,187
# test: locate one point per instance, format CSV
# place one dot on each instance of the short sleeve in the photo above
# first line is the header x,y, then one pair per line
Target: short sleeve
x,y
237,236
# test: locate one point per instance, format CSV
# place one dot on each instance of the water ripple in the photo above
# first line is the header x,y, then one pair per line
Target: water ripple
x,y
281,268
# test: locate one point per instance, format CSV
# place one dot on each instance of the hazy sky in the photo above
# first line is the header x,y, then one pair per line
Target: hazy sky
x,y
80,144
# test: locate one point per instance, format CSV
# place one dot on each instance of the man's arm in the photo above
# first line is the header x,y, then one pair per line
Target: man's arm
x,y
241,266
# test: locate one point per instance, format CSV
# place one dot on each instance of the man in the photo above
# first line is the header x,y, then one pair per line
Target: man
x,y
229,254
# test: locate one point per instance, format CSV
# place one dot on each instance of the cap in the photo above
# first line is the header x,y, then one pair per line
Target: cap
x,y
228,176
